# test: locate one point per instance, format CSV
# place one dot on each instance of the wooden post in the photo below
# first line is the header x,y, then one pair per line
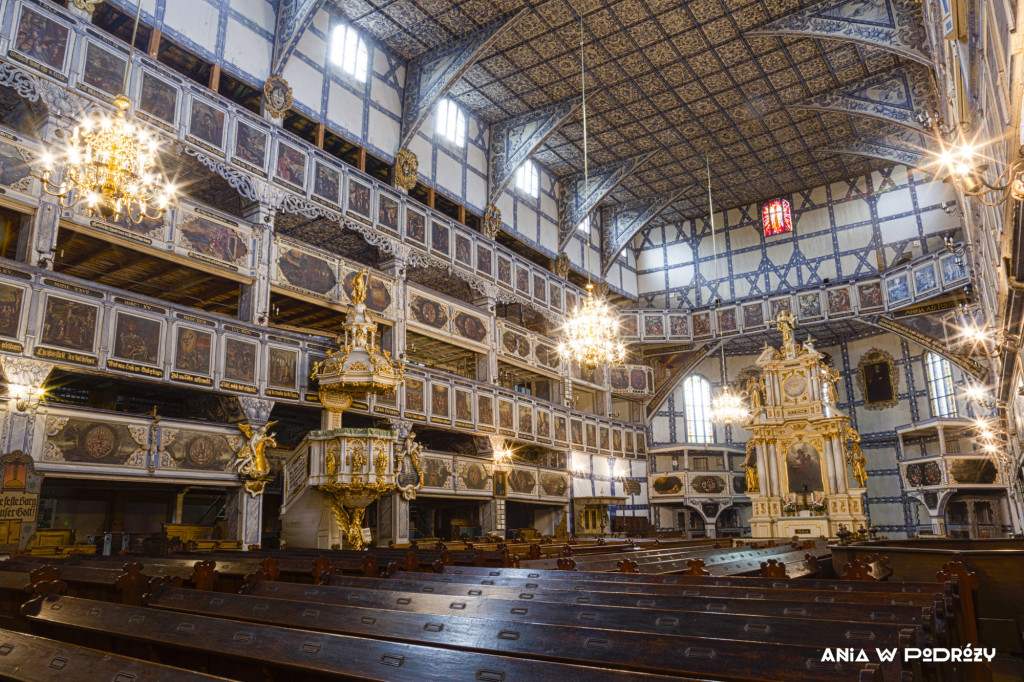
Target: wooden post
x,y
462,214
361,164
154,43
320,129
430,197
215,77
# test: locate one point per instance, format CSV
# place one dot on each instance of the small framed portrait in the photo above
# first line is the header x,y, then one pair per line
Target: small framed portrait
x,y
239,360
193,350
41,42
463,405
869,296
158,101
780,304
69,324
484,260
415,226
727,323
439,401
839,303
591,436
576,432
137,339
500,484
878,379
103,71
387,213
440,239
506,415
925,281
326,183
540,288
504,271
463,250
953,269
360,200
206,124
250,147
654,327
414,399
606,444
290,166
281,367
701,325
555,295
560,430
11,307
544,424
678,326
809,306
753,315
485,410
525,419
897,289
523,280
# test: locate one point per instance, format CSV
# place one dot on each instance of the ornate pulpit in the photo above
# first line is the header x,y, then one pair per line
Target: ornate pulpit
x,y
802,449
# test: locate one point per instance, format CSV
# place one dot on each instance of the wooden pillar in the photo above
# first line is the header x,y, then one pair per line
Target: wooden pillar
x,y
215,77
154,43
320,129
430,197
462,214
361,163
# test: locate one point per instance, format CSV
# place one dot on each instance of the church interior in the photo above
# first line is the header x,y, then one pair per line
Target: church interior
x,y
511,340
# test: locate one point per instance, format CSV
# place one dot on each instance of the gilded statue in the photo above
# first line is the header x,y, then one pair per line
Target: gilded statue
x,y
251,460
830,378
359,287
350,523
786,323
755,391
857,461
750,468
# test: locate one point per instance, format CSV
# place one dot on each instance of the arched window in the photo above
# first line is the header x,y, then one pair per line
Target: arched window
x,y
528,179
940,385
697,403
451,122
348,50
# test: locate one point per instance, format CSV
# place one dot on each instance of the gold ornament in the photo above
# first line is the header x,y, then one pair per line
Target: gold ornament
x,y
277,96
406,169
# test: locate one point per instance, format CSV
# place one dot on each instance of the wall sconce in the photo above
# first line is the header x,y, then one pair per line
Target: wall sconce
x,y
26,397
503,456
960,164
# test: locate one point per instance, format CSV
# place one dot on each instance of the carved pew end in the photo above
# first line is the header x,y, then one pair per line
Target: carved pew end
x,y
628,566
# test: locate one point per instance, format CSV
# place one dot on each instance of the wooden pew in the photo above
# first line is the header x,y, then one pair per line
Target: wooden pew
x,y
623,649
254,651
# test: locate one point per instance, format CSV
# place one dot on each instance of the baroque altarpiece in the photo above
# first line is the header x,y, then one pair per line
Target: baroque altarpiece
x,y
805,468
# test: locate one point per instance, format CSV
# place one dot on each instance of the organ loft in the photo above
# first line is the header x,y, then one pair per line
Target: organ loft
x,y
516,340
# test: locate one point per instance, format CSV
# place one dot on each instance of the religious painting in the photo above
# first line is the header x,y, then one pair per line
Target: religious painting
x,y
809,306
192,351
540,290
413,394
570,305
104,70
924,474
149,227
485,410
470,327
522,481
327,183
515,344
727,322
500,483
617,440
290,167
778,305
387,213
239,360
973,471
753,315
953,269
436,473
158,98
415,226
11,298
440,238
137,339
439,406
41,39
803,468
506,415
473,476
14,169
701,324
628,436
212,239
206,123
591,436
306,271
839,302
463,250
543,424
678,326
878,379
897,289
69,324
250,146
483,259
870,296
708,485
194,449
94,442
463,405
576,429
628,325
654,327
281,367
546,356
667,485
605,438
360,199
522,280
428,312
619,377
553,484
559,429
924,280
378,296
504,271
525,419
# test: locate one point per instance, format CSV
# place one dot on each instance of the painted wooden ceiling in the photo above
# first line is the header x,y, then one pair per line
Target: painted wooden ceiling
x,y
677,78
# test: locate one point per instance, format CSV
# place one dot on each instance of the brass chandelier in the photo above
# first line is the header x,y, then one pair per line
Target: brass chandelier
x,y
109,164
590,335
959,162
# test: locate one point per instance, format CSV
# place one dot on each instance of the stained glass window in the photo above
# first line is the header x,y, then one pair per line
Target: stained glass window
x,y
776,217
